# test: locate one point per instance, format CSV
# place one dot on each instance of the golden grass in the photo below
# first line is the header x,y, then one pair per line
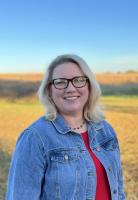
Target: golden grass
x,y
125,122
116,79
121,112
22,77
104,78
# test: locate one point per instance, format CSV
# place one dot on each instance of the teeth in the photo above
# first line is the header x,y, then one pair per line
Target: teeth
x,y
71,98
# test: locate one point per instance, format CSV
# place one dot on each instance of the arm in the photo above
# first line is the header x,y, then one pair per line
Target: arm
x,y
120,174
121,185
27,168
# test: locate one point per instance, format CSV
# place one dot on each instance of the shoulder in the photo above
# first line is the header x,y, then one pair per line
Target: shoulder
x,y
105,134
40,123
40,128
35,132
30,148
105,127
109,127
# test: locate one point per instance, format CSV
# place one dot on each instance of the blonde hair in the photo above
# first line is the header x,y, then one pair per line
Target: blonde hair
x,y
92,109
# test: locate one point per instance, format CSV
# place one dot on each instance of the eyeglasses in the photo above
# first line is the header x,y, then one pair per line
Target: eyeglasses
x,y
77,82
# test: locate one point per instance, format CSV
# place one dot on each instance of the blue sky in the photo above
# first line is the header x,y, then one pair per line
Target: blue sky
x,y
103,32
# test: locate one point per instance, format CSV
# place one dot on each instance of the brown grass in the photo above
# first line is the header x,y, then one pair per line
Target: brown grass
x,y
22,77
121,112
115,79
104,78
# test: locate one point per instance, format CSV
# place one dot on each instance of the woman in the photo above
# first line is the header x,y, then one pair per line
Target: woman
x,y
71,153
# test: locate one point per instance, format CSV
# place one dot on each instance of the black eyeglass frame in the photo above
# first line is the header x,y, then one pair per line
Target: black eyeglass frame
x,y
70,80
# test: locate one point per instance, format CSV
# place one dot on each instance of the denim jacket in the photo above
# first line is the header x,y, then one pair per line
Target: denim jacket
x,y
50,162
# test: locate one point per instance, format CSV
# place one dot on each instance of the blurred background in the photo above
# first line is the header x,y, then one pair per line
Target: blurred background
x,y
104,33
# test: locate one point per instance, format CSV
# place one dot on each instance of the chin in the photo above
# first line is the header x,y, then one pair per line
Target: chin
x,y
73,111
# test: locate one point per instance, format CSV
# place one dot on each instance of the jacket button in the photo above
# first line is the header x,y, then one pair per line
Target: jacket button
x,y
97,148
90,173
110,169
82,150
114,191
66,157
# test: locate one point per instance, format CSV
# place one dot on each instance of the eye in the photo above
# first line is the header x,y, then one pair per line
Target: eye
x,y
80,79
59,81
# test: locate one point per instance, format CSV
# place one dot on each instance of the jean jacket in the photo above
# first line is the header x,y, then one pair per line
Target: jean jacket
x,y
51,162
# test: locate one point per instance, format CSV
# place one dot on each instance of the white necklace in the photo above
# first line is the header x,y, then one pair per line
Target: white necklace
x,y
78,127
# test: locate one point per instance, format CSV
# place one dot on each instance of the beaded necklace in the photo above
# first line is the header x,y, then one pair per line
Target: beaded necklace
x,y
78,127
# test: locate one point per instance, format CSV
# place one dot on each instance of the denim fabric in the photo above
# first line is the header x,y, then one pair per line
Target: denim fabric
x,y
50,162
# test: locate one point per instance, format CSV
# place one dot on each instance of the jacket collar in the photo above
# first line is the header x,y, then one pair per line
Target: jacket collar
x,y
62,127
98,133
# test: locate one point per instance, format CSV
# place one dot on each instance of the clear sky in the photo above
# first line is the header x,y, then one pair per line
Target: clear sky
x,y
103,32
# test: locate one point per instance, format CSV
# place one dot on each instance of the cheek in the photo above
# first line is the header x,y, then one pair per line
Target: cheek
x,y
86,97
55,94
85,93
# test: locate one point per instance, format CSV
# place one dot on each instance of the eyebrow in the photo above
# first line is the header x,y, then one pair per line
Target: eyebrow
x,y
69,78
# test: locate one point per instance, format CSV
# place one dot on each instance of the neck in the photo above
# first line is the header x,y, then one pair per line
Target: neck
x,y
73,120
76,123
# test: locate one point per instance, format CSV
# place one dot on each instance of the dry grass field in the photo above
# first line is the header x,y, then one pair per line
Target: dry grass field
x,y
104,78
117,78
121,112
22,77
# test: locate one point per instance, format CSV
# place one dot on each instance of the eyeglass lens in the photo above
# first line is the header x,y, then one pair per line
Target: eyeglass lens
x,y
62,83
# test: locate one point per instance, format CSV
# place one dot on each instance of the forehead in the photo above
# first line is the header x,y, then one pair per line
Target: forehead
x,y
67,70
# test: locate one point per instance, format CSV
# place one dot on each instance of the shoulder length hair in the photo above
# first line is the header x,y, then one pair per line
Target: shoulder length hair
x,y
92,109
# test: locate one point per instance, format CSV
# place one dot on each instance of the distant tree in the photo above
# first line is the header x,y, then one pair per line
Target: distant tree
x,y
131,71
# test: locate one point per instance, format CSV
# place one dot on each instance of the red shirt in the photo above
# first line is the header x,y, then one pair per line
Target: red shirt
x,y
102,187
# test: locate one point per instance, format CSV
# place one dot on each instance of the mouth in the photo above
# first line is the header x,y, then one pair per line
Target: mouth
x,y
71,97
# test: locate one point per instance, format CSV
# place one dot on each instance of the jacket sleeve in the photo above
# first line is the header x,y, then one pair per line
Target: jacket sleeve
x,y
27,168
121,187
121,192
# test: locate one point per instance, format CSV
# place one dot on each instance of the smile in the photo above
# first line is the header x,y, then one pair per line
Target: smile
x,y
71,98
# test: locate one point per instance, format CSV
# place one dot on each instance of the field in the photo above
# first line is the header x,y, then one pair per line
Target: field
x,y
104,78
122,112
19,107
22,85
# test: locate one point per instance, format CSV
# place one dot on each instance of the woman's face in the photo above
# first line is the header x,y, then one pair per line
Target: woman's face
x,y
71,100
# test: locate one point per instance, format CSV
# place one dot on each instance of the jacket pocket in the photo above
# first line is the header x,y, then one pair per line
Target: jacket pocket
x,y
64,156
64,173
